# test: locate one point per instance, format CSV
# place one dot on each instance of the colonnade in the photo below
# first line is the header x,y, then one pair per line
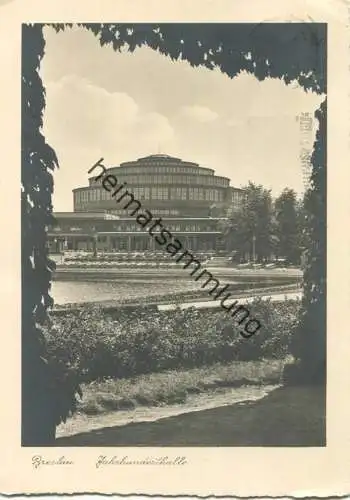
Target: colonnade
x,y
128,243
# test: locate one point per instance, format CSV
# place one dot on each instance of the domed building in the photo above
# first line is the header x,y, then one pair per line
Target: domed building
x,y
189,199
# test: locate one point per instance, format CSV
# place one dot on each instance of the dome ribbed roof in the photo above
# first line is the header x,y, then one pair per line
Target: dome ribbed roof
x,y
163,160
158,156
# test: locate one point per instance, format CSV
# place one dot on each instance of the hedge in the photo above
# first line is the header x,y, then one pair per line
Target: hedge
x,y
93,344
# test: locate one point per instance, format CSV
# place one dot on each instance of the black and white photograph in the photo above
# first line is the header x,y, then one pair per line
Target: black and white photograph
x,y
173,235
175,272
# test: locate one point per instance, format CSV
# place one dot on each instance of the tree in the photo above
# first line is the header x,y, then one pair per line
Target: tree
x,y
309,344
287,226
249,231
48,390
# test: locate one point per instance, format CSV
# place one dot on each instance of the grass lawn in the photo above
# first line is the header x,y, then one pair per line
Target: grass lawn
x,y
289,416
173,386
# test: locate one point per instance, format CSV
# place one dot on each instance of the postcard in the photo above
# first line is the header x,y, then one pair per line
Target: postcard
x,y
175,278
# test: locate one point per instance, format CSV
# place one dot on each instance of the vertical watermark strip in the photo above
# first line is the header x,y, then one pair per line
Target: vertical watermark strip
x,y
306,145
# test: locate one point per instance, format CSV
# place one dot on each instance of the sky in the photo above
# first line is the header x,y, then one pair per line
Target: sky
x,y
122,106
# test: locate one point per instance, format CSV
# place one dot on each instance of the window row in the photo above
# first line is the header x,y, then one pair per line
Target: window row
x,y
169,179
124,227
164,170
154,212
169,227
154,193
237,198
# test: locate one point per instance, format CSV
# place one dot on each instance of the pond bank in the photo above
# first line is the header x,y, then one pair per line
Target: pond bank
x,y
188,297
93,273
287,416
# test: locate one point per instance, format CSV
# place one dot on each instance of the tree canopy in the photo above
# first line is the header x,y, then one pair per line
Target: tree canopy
x,y
250,229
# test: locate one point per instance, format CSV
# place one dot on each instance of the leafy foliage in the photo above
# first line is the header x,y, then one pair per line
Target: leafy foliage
x,y
310,341
288,228
95,344
252,222
38,160
293,51
288,51
280,227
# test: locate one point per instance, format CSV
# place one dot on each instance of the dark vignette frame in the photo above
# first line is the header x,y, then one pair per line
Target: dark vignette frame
x,y
288,51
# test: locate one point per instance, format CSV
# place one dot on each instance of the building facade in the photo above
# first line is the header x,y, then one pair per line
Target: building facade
x,y
189,199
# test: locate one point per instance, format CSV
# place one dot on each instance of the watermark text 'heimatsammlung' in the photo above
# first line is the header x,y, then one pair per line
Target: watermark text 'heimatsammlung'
x,y
174,247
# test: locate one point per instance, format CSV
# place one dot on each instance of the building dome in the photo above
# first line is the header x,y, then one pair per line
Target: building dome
x,y
159,156
188,198
166,185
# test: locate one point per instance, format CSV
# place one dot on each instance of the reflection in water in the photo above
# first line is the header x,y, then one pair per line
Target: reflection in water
x,y
65,292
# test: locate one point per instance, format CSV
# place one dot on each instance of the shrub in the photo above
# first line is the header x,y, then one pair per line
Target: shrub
x,y
97,345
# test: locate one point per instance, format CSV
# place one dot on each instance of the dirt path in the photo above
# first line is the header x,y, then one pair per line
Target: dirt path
x,y
288,416
194,403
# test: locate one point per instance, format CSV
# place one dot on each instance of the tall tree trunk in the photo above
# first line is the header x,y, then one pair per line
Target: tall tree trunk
x,y
38,419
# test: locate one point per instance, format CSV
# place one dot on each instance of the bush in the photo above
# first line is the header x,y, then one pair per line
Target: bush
x,y
98,344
